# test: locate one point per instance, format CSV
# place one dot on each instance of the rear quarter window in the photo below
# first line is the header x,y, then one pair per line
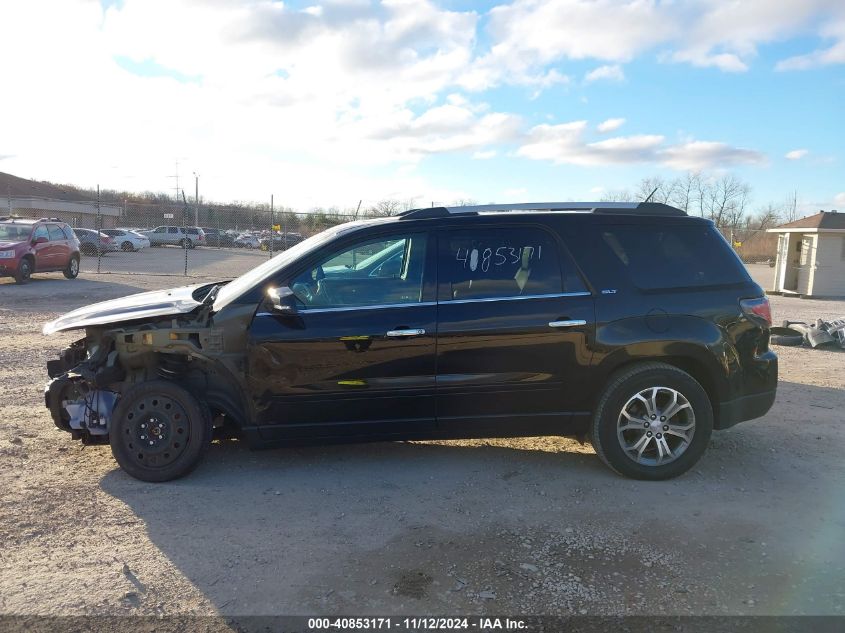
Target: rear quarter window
x,y
675,256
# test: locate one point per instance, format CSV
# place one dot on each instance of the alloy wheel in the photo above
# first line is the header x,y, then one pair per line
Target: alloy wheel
x,y
656,426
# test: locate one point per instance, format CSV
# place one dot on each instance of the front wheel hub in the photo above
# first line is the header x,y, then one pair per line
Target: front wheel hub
x,y
156,432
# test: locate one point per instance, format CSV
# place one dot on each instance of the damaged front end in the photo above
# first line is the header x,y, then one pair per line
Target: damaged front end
x,y
84,388
127,341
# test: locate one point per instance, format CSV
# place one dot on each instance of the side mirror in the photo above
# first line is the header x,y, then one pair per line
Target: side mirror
x,y
39,240
282,299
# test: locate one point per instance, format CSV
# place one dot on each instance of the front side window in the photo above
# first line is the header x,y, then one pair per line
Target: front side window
x,y
383,271
491,263
41,231
55,233
172,229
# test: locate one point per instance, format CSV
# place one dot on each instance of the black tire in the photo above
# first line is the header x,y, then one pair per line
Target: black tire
x,y
71,271
190,244
786,336
181,425
24,272
621,389
127,247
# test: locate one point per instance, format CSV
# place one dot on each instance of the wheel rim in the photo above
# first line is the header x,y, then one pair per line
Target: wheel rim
x,y
127,246
656,426
156,432
74,266
26,269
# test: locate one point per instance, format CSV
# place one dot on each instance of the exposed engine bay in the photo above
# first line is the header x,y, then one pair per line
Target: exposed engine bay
x,y
91,375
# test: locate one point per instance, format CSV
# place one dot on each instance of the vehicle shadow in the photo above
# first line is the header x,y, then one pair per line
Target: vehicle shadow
x,y
339,528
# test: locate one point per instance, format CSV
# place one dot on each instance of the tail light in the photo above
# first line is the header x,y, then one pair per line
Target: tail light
x,y
758,307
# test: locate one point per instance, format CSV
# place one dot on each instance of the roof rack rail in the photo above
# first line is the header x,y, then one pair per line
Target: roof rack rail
x,y
622,208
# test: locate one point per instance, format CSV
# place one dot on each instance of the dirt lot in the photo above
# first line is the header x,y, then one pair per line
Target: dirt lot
x,y
518,526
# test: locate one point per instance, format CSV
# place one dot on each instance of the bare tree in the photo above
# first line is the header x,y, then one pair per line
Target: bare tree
x,y
790,212
724,199
765,218
617,195
385,208
685,192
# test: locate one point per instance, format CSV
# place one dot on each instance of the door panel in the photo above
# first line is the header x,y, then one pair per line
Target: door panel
x,y
357,355
514,343
502,358
339,370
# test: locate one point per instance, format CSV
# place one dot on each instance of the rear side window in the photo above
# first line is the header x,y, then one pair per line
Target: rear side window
x,y
67,231
659,257
488,263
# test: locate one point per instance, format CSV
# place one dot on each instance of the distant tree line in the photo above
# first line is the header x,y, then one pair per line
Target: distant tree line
x,y
725,199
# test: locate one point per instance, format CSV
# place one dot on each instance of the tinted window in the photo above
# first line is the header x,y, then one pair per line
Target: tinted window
x,y
193,230
55,233
383,271
172,229
67,231
500,262
41,231
673,256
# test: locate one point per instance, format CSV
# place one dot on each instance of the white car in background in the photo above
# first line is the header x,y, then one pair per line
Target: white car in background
x,y
127,239
247,240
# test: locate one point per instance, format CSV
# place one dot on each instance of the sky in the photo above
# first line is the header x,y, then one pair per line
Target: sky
x,y
325,103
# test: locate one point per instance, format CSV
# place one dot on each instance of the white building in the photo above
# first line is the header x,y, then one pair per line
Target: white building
x,y
811,256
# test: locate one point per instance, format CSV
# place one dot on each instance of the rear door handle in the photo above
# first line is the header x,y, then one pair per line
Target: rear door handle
x,y
568,323
405,333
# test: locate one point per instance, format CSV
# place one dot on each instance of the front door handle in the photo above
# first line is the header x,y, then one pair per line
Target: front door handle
x,y
568,323
405,333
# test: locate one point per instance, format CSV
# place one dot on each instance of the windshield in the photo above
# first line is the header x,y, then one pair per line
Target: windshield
x,y
238,286
14,232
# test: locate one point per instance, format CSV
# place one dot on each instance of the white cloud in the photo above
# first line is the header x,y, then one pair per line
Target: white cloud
x,y
839,199
607,73
698,155
565,144
484,155
796,154
610,125
833,54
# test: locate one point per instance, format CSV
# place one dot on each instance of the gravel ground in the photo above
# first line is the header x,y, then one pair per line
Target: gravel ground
x,y
491,526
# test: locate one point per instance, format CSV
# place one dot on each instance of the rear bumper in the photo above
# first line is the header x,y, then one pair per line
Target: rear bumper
x,y
745,408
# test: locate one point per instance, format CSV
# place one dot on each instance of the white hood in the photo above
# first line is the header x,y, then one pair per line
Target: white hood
x,y
140,306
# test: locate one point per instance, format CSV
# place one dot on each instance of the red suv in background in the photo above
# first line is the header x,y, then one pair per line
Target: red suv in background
x,y
37,246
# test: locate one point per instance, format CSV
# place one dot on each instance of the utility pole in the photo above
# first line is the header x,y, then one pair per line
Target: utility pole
x,y
272,232
197,201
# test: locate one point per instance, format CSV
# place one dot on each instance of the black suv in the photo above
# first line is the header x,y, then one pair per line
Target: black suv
x,y
633,325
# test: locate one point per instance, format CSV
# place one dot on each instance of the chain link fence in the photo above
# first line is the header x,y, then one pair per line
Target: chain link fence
x,y
199,241
754,246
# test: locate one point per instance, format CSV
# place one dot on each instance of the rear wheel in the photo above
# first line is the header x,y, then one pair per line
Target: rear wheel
x,y
24,271
127,247
653,422
159,431
72,270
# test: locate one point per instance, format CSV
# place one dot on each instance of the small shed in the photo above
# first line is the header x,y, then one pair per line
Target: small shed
x,y
811,256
